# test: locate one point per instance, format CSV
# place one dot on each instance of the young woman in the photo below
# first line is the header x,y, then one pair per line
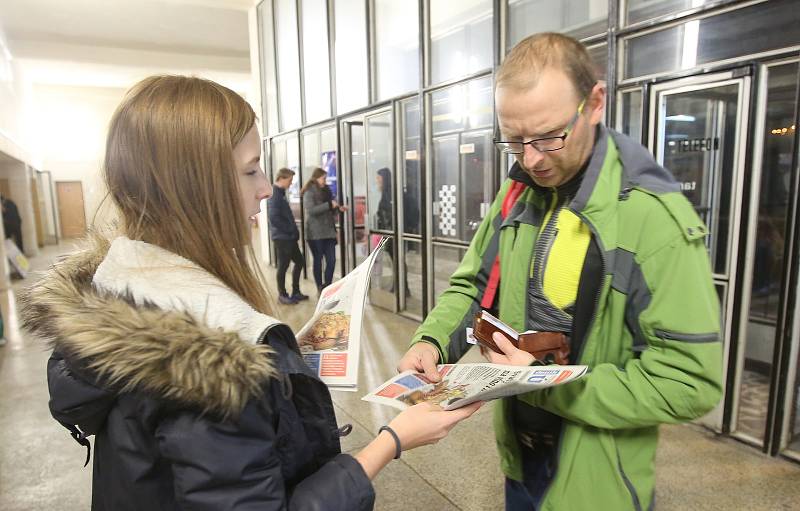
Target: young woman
x,y
321,210
163,348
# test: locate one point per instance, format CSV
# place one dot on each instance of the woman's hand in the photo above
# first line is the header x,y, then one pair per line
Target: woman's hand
x,y
427,423
511,356
343,208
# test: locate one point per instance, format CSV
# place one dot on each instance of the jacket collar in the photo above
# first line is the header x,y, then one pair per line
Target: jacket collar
x,y
143,319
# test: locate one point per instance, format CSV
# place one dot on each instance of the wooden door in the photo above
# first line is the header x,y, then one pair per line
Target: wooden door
x,y
70,209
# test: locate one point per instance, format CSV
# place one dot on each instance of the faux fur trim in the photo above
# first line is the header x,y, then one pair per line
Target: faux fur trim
x,y
133,344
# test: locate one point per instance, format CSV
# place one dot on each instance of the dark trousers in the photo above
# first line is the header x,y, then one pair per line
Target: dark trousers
x,y
288,251
323,249
537,473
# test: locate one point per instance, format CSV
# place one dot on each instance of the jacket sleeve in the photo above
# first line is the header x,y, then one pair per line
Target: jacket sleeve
x,y
678,377
445,324
234,466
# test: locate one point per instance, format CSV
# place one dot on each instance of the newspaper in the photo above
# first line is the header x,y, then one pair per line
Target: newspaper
x,y
330,341
463,384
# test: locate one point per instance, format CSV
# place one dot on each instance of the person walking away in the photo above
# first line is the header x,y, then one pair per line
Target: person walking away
x,y
284,234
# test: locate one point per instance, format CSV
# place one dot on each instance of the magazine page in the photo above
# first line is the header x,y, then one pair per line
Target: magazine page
x,y
330,341
463,384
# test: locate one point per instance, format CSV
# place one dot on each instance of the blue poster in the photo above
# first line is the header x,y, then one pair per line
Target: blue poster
x,y
329,165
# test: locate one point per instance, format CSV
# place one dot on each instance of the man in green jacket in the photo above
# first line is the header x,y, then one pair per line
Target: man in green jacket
x,y
595,240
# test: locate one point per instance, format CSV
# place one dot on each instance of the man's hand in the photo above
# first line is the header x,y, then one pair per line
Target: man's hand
x,y
511,356
422,358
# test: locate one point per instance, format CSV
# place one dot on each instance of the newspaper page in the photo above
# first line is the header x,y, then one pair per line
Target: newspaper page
x,y
330,341
463,384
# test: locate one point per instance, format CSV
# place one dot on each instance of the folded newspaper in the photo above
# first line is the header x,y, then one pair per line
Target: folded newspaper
x,y
463,384
330,341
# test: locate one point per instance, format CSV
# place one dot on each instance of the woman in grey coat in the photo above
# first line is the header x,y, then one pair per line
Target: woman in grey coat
x,y
321,209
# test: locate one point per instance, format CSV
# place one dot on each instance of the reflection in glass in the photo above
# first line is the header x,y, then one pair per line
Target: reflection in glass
x,y
756,28
288,63
412,258
599,56
773,211
463,106
359,205
397,47
351,55
461,38
412,186
642,10
462,158
316,75
380,176
631,118
578,18
381,283
476,163
696,142
445,259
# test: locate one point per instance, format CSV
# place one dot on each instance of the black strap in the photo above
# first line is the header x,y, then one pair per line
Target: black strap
x,y
398,448
79,437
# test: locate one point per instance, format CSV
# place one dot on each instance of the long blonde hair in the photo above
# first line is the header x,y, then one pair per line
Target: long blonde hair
x,y
170,170
312,181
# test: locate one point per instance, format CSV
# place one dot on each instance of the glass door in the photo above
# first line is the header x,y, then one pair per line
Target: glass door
x,y
381,182
767,405
354,192
698,132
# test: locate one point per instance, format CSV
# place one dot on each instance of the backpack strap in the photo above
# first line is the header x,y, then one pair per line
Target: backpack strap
x,y
493,283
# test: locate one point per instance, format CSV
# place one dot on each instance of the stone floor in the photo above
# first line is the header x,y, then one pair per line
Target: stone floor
x,y
41,466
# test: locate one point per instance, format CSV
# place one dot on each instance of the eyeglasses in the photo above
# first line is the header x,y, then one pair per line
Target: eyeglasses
x,y
542,145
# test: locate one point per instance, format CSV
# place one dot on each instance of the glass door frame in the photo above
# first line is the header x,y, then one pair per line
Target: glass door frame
x,y
787,329
716,419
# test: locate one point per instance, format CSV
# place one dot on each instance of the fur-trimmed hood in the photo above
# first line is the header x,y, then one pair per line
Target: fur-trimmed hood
x,y
139,318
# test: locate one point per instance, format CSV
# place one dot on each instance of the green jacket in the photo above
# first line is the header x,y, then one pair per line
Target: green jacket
x,y
646,323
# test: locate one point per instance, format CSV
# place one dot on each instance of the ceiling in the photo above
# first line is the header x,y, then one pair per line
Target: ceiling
x,y
74,41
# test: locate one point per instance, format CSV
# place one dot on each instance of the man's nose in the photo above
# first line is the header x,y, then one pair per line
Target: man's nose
x,y
531,157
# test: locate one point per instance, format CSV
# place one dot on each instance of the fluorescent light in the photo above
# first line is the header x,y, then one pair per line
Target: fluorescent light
x,y
691,31
680,118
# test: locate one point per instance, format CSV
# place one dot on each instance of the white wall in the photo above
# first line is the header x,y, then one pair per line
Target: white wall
x,y
67,129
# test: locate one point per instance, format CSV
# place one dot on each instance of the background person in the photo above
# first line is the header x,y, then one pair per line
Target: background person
x,y
321,210
284,234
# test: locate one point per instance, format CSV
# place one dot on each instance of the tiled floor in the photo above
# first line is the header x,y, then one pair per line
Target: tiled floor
x,y
41,466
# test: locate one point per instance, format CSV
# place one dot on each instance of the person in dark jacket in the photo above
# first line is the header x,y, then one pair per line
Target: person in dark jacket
x,y
163,347
12,222
284,234
321,209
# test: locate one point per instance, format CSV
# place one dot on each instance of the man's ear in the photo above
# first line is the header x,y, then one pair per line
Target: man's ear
x,y
597,102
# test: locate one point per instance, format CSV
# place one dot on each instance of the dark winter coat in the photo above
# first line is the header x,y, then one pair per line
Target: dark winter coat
x,y
187,415
281,218
320,215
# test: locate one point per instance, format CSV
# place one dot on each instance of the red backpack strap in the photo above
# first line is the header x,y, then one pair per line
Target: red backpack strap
x,y
514,191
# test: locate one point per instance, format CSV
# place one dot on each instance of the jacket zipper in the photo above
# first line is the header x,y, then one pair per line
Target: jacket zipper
x,y
636,503
559,443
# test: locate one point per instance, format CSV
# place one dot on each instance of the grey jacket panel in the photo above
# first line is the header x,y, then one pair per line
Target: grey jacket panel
x,y
320,218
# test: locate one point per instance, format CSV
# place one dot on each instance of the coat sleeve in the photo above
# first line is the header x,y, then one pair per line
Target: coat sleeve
x,y
445,324
678,377
315,207
234,466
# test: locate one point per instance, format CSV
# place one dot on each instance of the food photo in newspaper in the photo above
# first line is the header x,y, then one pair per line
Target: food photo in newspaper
x,y
330,341
463,384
